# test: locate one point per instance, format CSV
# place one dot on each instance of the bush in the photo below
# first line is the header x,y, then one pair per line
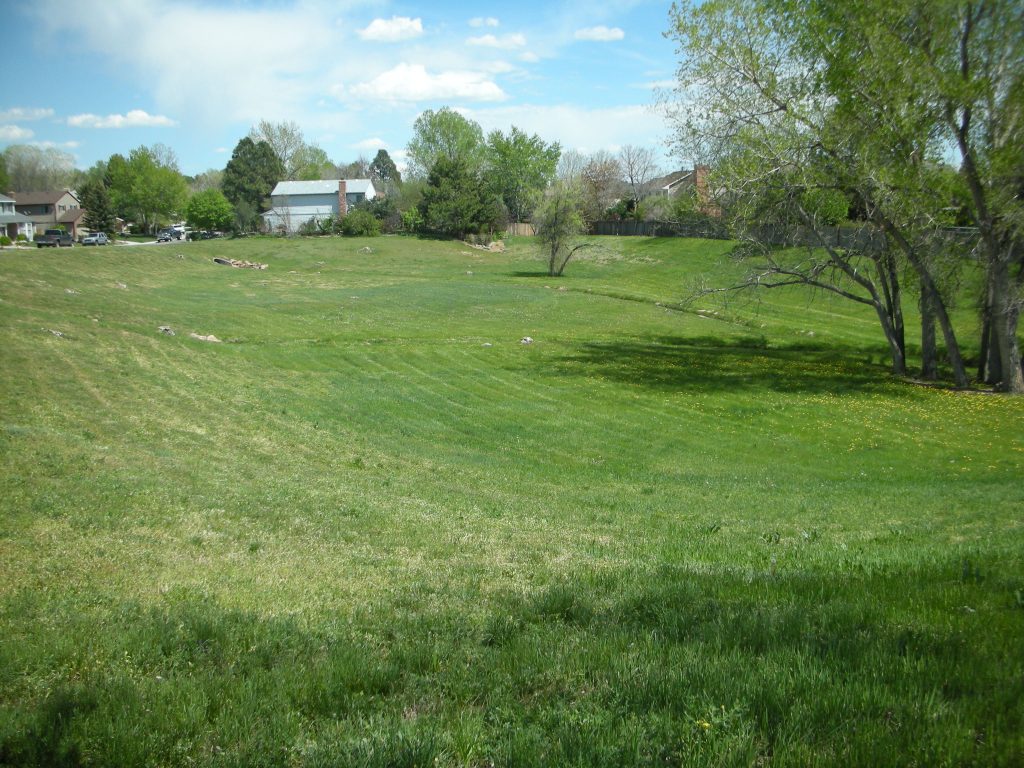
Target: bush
x,y
5,240
23,238
360,223
385,211
310,227
411,220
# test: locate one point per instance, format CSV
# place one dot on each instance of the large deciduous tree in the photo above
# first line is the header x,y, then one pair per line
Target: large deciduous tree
x,y
520,168
146,186
796,100
638,169
314,164
37,169
300,160
357,169
209,209
445,134
212,178
600,184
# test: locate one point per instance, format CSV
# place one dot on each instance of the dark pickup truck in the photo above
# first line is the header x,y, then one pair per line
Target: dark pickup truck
x,y
55,238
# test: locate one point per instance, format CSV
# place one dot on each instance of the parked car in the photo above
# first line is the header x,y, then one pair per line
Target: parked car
x,y
95,238
166,235
55,238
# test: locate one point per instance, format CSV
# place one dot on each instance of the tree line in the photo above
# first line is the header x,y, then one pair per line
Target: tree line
x,y
458,181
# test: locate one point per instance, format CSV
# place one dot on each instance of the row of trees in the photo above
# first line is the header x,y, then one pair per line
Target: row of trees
x,y
907,111
147,187
460,181
471,183
474,182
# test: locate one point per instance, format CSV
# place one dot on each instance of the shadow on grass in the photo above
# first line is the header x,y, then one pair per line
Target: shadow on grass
x,y
672,659
711,363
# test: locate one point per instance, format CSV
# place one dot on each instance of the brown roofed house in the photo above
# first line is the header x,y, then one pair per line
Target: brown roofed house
x,y
51,209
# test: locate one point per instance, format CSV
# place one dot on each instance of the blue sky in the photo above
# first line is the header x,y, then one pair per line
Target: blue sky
x,y
99,77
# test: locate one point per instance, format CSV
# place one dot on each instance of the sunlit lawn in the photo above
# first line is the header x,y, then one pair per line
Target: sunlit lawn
x,y
372,527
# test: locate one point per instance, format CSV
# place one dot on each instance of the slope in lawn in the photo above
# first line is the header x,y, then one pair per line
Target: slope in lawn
x,y
372,527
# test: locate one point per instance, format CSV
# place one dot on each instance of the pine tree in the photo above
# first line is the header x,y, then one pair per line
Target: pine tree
x,y
99,211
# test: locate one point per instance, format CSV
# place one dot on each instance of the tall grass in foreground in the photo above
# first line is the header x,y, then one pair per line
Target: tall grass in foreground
x,y
370,527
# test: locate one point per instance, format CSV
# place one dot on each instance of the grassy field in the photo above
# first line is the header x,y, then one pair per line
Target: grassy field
x,y
370,527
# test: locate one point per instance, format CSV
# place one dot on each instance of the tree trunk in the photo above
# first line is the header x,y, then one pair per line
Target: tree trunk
x,y
1005,317
989,364
897,351
896,298
929,354
937,305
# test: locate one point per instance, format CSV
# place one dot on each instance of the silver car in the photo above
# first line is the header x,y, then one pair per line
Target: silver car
x,y
95,238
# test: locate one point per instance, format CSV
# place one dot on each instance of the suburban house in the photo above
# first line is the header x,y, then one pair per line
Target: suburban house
x,y
13,223
50,210
293,203
681,182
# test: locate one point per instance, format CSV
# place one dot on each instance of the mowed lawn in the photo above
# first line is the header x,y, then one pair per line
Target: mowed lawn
x,y
371,527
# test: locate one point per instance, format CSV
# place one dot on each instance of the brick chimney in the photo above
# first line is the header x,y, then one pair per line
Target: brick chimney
x,y
704,202
700,181
342,200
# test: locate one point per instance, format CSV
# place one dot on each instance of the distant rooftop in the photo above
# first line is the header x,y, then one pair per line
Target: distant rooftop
x,y
322,187
49,197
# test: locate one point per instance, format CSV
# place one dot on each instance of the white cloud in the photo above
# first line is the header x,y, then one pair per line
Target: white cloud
x,y
656,85
136,118
480,21
235,63
370,144
24,114
14,133
393,30
580,128
55,145
221,150
529,57
504,42
412,82
600,34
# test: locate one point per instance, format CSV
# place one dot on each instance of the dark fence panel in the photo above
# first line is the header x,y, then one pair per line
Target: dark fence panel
x,y
865,239
715,230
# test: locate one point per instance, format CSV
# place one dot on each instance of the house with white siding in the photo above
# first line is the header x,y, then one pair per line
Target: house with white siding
x,y
13,223
293,203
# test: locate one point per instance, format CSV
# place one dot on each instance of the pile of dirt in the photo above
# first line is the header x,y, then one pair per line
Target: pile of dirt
x,y
240,264
498,246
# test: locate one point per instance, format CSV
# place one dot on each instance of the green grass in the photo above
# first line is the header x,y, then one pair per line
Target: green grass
x,y
372,528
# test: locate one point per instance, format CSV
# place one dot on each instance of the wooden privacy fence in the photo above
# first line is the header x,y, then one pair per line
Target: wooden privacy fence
x,y
522,229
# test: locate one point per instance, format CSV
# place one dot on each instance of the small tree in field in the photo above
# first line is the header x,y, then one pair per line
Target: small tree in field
x,y
558,223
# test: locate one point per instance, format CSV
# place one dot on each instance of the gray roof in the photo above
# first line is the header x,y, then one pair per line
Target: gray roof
x,y
323,187
40,198
670,180
14,218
